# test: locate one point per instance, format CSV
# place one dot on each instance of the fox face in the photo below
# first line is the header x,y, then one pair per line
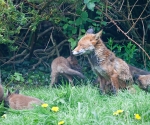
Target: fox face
x,y
74,63
87,44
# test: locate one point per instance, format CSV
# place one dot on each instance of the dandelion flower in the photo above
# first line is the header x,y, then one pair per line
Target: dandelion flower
x,y
118,112
61,123
115,113
55,109
44,105
137,116
4,116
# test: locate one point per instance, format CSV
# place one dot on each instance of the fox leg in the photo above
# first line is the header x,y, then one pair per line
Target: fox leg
x,y
69,78
53,78
70,71
102,84
115,83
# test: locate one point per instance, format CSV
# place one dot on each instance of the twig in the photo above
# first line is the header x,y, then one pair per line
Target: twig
x,y
41,34
138,18
124,32
121,6
143,42
54,44
132,9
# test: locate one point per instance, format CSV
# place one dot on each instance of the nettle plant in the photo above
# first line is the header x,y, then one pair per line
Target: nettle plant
x,y
125,52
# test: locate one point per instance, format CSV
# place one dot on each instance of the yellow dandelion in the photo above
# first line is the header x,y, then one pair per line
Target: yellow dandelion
x,y
44,105
4,116
137,116
115,113
118,112
61,123
55,109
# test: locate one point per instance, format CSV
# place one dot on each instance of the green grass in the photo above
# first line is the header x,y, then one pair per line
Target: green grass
x,y
82,105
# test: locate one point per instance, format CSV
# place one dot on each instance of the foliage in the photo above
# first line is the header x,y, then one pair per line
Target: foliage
x,y
126,52
11,22
15,78
41,30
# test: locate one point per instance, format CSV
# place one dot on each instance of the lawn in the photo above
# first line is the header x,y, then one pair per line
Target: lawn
x,y
82,105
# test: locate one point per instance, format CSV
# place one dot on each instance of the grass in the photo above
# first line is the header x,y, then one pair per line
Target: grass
x,y
82,105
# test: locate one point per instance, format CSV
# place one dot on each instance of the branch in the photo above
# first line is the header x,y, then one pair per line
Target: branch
x,y
123,32
138,18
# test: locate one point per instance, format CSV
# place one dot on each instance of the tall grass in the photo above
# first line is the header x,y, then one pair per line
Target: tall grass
x,y
82,105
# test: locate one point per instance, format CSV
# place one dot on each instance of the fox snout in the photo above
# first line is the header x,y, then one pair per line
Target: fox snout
x,y
79,52
83,51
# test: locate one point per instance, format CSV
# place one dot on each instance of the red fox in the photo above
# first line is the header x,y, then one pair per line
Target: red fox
x,y
139,76
18,101
66,67
105,64
143,81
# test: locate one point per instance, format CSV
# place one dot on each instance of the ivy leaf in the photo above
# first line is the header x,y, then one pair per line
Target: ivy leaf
x,y
91,6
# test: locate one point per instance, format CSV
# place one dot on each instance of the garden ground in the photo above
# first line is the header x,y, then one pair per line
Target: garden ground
x,y
82,105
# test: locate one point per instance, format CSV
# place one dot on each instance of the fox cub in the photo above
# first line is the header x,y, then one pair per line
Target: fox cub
x,y
67,67
105,64
18,101
143,81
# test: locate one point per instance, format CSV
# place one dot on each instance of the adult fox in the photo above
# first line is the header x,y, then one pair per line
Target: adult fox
x,y
18,101
140,77
105,64
67,67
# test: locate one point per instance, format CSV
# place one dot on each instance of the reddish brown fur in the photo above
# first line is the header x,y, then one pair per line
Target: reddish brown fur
x,y
143,82
18,101
105,64
134,71
66,67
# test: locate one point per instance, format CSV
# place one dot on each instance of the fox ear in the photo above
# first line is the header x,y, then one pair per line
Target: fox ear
x,y
98,35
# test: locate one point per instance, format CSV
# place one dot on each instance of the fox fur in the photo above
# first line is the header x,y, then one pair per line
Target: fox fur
x,y
18,101
105,64
143,81
136,74
134,70
67,67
